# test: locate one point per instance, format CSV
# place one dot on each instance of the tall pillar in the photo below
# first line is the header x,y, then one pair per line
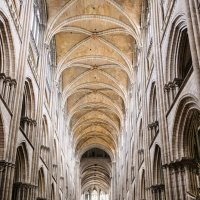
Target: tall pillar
x,y
8,174
165,154
77,178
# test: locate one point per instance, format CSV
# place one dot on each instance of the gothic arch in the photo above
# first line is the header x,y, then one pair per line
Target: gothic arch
x,y
28,121
28,104
41,183
7,56
44,145
157,167
178,57
153,125
39,18
21,174
45,132
153,111
22,164
186,144
186,117
158,189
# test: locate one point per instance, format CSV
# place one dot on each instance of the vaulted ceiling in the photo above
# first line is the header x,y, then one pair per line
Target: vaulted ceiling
x,y
95,45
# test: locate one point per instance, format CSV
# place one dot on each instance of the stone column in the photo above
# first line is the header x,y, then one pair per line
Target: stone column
x,y
2,78
7,89
12,93
163,132
15,121
5,172
77,183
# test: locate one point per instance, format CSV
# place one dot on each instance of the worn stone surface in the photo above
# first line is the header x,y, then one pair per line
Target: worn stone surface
x,y
99,97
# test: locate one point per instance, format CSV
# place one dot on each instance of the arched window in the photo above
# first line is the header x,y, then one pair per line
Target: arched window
x,y
7,63
44,132
94,195
36,24
186,146
41,184
21,173
39,19
28,103
28,122
153,125
158,176
7,56
184,56
44,148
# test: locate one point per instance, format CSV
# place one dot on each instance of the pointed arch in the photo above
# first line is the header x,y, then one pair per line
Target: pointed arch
x,y
41,184
142,186
28,113
22,164
28,104
179,57
45,132
186,143
7,55
153,125
21,174
185,127
157,167
153,110
158,187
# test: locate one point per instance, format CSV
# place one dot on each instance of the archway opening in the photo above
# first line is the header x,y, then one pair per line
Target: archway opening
x,y
95,170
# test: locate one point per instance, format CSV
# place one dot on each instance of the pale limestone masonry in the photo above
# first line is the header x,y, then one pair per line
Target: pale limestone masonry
x,y
99,99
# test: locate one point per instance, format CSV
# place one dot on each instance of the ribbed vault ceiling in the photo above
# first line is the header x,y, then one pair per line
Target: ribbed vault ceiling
x,y
95,45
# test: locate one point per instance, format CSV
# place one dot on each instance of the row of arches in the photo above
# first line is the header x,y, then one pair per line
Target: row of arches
x,y
185,147
184,138
22,188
